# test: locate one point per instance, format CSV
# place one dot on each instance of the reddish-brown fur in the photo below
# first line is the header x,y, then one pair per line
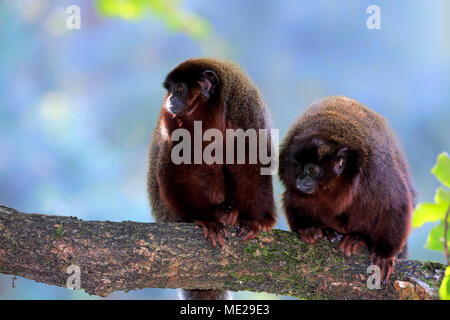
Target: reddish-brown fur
x,y
200,192
212,195
186,187
372,205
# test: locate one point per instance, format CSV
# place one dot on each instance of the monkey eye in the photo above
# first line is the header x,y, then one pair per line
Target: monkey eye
x,y
180,89
314,170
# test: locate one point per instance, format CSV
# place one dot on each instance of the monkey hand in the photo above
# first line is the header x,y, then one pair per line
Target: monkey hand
x,y
350,244
386,265
250,229
229,217
310,234
214,231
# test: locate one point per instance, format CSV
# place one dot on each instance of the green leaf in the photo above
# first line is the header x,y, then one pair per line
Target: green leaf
x,y
170,11
442,196
435,240
444,290
124,9
429,212
442,169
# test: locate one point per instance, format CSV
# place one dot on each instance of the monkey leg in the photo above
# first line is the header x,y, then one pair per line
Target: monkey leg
x,y
252,199
351,243
389,238
384,252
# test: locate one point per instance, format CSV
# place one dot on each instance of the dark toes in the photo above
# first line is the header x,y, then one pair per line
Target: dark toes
x,y
214,231
387,266
331,235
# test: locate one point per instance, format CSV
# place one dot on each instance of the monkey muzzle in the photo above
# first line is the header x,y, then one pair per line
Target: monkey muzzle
x,y
174,106
306,185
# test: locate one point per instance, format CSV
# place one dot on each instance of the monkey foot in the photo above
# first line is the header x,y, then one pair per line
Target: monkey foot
x,y
350,244
331,234
214,231
386,265
253,228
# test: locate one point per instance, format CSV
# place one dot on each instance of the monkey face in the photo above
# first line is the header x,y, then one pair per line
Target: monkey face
x,y
307,176
177,97
187,90
318,164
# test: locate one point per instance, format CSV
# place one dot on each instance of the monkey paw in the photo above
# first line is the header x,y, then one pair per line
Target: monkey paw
x,y
386,265
331,234
310,235
214,231
229,217
253,228
350,244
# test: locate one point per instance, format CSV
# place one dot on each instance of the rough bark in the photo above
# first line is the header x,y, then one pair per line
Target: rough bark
x,y
126,256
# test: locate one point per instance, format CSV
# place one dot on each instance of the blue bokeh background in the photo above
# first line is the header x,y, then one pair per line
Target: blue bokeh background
x,y
77,106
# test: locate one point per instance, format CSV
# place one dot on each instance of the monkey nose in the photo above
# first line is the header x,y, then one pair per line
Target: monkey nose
x,y
306,186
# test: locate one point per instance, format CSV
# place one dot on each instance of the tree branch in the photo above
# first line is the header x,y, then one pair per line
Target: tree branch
x,y
116,256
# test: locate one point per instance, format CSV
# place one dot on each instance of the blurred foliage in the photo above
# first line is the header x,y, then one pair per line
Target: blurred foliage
x,y
171,11
438,211
442,170
444,290
77,107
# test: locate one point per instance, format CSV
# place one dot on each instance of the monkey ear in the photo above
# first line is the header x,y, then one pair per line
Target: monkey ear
x,y
318,141
343,153
341,156
208,83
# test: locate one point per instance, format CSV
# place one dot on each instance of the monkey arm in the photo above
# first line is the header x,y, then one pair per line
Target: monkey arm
x,y
298,217
192,191
196,193
253,198
301,222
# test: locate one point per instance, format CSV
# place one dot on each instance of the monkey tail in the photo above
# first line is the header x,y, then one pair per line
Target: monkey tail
x,y
205,295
